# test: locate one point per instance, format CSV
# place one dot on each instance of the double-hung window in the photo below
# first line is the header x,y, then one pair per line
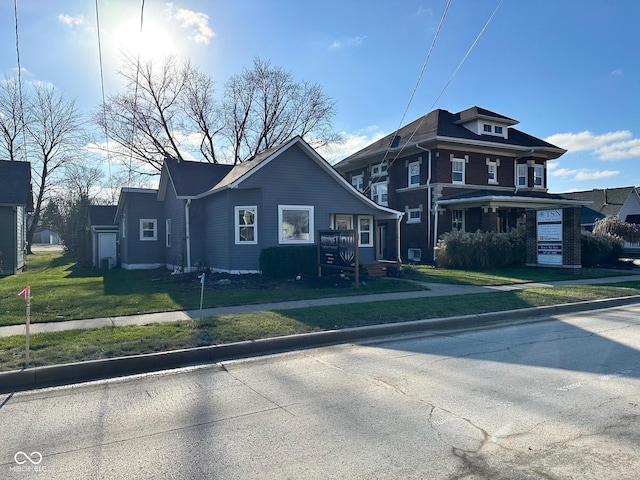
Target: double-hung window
x,y
522,175
413,171
492,172
245,225
379,169
457,170
295,224
358,182
379,193
167,232
148,229
538,176
457,220
365,231
414,215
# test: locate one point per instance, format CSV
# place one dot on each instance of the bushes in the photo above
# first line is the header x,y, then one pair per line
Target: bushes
x,y
481,250
281,262
600,249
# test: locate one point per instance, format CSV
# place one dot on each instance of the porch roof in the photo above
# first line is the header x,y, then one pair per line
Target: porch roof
x,y
496,199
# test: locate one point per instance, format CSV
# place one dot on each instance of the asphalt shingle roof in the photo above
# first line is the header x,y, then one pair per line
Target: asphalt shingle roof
x,y
102,214
193,178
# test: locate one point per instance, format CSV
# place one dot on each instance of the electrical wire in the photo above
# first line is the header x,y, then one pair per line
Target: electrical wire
x,y
450,78
20,96
104,105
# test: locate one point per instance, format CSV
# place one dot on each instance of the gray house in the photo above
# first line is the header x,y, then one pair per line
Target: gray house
x,y
222,216
15,203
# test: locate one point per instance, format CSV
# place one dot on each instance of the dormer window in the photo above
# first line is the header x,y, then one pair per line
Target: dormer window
x,y
498,130
538,176
487,128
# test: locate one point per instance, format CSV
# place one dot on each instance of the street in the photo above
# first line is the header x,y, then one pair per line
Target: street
x,y
556,398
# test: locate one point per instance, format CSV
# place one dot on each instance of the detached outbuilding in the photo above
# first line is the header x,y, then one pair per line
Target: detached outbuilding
x,y
15,203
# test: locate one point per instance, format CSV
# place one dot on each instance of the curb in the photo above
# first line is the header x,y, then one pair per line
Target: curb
x,y
56,375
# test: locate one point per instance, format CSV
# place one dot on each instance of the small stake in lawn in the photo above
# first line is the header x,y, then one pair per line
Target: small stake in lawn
x,y
201,277
26,292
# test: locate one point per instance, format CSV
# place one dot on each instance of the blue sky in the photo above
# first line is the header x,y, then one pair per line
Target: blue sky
x,y
567,70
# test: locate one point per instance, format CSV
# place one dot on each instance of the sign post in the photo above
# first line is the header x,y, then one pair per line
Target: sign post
x,y
201,277
26,292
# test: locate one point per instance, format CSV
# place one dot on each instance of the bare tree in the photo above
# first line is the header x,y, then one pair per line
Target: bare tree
x,y
203,116
264,107
164,106
146,119
11,119
54,131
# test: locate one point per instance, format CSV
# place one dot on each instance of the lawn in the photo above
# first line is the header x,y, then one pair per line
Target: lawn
x,y
506,276
61,290
77,345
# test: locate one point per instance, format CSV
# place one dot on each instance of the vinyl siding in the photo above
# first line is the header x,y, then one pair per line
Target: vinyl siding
x,y
174,209
8,240
143,252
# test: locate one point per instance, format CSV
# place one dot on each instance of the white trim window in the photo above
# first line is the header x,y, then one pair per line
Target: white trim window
x,y
295,224
148,229
457,220
492,172
413,174
414,215
167,232
343,222
365,231
380,193
358,182
379,169
245,225
457,170
414,254
538,176
522,175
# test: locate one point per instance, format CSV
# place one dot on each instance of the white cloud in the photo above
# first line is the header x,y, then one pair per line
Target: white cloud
x,y
197,22
579,174
618,145
334,152
70,21
616,72
351,42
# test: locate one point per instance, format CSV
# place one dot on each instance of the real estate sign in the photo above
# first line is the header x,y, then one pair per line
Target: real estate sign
x,y
338,249
549,233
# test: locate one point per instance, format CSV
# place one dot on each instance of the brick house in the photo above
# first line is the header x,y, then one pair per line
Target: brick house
x,y
469,170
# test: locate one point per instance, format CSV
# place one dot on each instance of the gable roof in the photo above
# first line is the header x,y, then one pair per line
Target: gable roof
x,y
102,214
446,126
190,179
606,201
15,183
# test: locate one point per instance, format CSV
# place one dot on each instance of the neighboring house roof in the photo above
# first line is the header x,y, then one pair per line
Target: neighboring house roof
x,y
102,214
443,125
606,201
190,179
15,183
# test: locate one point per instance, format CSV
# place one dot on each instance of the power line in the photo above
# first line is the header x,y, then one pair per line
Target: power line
x,y
20,97
450,79
104,106
415,88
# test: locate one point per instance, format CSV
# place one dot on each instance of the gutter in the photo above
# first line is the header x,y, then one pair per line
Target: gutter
x,y
187,234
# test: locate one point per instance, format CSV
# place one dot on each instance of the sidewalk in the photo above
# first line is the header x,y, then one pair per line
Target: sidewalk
x,y
434,290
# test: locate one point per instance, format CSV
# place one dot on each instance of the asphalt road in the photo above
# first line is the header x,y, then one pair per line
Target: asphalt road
x,y
554,399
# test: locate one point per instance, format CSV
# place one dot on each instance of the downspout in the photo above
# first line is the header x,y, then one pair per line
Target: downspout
x,y
428,194
435,230
187,234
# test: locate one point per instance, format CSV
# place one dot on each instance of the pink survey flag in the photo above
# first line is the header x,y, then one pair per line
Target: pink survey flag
x,y
25,291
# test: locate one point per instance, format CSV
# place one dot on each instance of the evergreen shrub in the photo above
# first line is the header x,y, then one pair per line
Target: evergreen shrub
x,y
600,249
283,262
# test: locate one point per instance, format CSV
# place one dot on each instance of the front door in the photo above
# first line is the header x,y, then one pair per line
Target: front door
x,y
107,249
382,242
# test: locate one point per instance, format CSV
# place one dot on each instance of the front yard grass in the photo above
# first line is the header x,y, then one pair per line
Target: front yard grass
x,y
78,345
61,290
